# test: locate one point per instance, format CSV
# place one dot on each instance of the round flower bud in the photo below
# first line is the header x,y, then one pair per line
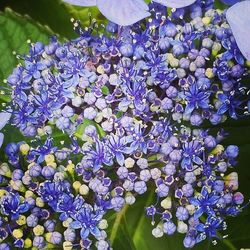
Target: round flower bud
x,y
55,238
182,213
169,227
38,230
77,101
155,173
231,181
76,185
166,203
17,174
182,227
31,220
84,189
145,175
129,162
67,222
102,245
238,198
27,243
69,234
189,242
39,242
157,232
50,225
103,224
39,202
122,172
24,149
49,158
232,151
117,203
129,199
17,233
67,245
162,190
4,246
142,163
21,220
140,187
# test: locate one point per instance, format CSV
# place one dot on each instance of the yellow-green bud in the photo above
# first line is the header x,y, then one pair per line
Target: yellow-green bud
x,y
17,185
209,73
17,233
28,194
166,203
38,230
206,20
49,158
129,162
103,224
70,167
77,185
67,245
67,222
3,192
24,149
5,170
39,202
48,236
27,243
40,132
21,220
218,149
84,189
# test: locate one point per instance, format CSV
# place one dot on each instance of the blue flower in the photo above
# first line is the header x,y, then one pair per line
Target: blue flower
x,y
191,153
87,219
44,150
11,205
196,98
67,205
204,202
210,228
51,192
118,147
228,103
97,156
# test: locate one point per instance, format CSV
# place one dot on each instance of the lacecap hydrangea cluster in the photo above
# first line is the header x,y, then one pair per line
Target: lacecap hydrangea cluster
x,y
131,102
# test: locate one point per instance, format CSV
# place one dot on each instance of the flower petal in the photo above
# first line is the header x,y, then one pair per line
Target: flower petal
x,y
1,139
175,3
123,12
4,118
238,18
230,2
81,2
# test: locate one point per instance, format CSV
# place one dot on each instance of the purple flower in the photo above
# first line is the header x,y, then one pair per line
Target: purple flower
x,y
12,206
87,219
67,205
196,98
204,202
122,12
239,19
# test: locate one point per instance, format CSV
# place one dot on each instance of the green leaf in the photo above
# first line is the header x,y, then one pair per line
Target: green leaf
x,y
56,14
14,33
